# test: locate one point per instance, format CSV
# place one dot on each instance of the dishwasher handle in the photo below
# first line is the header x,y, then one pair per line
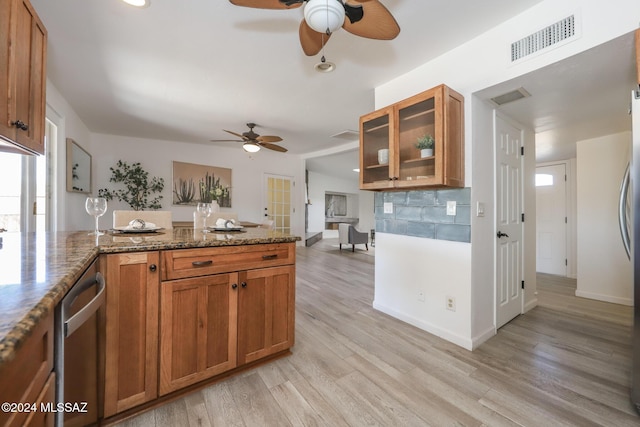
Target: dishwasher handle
x,y
71,324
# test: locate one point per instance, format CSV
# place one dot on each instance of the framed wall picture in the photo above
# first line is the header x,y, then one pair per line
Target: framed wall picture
x,y
78,168
193,184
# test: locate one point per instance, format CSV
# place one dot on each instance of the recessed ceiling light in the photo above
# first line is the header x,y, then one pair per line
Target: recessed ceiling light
x,y
138,3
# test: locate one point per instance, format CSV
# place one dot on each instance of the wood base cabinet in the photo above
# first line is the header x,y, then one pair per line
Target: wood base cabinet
x,y
389,158
28,378
131,359
265,312
198,329
212,323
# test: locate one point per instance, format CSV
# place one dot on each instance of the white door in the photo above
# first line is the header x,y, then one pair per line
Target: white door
x,y
551,214
279,201
509,227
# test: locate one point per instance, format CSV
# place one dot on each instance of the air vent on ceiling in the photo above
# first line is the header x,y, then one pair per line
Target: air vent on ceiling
x,y
549,36
349,135
514,95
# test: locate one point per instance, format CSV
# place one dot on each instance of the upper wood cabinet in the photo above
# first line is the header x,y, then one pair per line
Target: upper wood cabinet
x,y
389,158
23,53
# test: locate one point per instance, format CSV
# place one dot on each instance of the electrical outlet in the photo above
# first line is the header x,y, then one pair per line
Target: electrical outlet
x,y
451,303
421,296
480,209
451,207
388,207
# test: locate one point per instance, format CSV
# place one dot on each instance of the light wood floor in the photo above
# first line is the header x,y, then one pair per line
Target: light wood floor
x,y
566,362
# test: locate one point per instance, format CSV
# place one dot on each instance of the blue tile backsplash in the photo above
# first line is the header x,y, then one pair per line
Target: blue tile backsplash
x,y
424,214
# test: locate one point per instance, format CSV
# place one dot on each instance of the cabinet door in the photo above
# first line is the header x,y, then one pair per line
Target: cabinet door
x,y
418,116
198,322
266,312
377,150
131,359
7,87
23,45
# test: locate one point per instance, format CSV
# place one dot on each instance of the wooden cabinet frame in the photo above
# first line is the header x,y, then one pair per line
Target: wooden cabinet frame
x,y
396,128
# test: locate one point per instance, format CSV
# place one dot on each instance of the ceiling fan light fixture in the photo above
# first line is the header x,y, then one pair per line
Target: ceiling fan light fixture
x,y
251,147
325,66
138,3
324,16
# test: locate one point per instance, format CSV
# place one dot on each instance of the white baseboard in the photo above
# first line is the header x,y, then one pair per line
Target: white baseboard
x,y
479,339
605,298
452,337
531,304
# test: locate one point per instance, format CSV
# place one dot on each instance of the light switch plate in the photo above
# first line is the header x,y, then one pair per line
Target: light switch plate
x,y
388,207
451,207
480,209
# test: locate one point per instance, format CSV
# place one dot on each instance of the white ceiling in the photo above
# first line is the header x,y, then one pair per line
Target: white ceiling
x,y
185,70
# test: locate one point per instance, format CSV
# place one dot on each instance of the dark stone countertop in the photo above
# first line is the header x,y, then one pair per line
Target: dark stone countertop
x,y
37,269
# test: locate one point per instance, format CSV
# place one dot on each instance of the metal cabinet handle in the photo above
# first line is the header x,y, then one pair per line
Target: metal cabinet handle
x,y
234,286
244,284
20,125
202,263
153,267
267,257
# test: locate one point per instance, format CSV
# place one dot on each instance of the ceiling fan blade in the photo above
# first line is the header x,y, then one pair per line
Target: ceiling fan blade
x,y
236,134
226,140
273,147
267,4
311,40
268,138
377,22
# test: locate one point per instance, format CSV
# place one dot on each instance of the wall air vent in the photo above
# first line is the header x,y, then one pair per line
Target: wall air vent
x,y
514,95
549,36
349,135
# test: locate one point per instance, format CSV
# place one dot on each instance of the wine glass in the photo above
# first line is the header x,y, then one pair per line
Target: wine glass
x,y
96,207
204,210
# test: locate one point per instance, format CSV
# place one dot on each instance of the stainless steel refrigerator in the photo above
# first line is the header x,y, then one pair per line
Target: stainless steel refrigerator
x,y
633,214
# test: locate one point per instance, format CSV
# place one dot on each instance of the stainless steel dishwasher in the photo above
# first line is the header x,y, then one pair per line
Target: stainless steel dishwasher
x,y
78,331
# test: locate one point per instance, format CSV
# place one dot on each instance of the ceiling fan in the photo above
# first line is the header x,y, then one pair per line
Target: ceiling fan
x,y
364,18
253,142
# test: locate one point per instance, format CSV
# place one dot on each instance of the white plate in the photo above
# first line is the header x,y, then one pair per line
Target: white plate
x,y
126,229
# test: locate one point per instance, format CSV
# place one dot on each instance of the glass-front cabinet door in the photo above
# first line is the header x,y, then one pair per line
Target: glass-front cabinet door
x,y
376,164
414,143
417,122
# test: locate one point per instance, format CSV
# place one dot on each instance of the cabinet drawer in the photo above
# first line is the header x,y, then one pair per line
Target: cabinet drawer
x,y
183,263
24,377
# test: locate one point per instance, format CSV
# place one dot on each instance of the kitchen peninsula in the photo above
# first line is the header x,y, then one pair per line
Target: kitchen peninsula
x,y
243,282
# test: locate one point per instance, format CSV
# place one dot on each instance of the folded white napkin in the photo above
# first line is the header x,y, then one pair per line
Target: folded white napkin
x,y
139,224
225,223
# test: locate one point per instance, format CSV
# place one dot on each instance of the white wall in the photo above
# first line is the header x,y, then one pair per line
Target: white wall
x,y
248,171
406,266
69,207
604,271
489,57
320,183
247,180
